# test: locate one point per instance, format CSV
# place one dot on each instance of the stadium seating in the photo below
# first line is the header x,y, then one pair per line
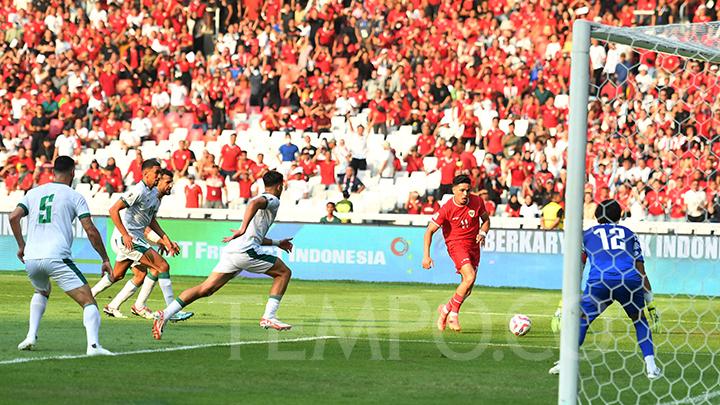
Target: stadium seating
x,y
512,94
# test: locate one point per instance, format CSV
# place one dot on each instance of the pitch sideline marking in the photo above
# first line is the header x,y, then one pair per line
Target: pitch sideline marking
x,y
696,399
169,349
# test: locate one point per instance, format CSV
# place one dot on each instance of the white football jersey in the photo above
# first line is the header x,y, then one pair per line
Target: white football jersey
x,y
141,206
51,210
258,227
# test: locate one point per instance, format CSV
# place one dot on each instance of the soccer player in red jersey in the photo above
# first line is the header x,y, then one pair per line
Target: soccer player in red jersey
x,y
459,219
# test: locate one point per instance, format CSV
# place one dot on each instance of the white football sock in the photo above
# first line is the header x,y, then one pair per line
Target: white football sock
x,y
272,306
101,285
145,291
167,290
173,308
37,309
91,320
127,291
650,363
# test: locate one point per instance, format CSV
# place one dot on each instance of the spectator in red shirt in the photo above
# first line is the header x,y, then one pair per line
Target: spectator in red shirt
x,y
193,194
414,161
413,204
110,181
44,175
467,157
93,174
245,181
181,160
21,179
21,158
379,109
135,168
512,209
327,170
426,141
655,202
448,166
489,204
229,155
430,206
493,140
215,188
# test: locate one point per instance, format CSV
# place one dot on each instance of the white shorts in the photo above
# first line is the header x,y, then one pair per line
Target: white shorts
x,y
249,260
140,246
63,271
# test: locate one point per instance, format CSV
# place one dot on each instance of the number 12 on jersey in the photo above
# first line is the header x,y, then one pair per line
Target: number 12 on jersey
x,y
616,238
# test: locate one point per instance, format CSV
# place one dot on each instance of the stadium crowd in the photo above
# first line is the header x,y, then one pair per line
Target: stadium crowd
x,y
461,75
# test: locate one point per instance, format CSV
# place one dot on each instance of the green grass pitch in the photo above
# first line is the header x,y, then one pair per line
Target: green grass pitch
x,y
351,343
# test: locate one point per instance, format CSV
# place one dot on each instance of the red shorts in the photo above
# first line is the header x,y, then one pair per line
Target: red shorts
x,y
464,254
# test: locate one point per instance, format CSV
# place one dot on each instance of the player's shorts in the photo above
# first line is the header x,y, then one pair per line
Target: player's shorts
x,y
464,254
63,271
140,246
250,260
598,295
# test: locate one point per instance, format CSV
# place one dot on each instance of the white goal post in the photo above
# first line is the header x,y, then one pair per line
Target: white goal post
x,y
679,40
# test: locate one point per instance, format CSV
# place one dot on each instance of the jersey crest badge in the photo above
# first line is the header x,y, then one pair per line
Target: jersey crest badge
x,y
471,213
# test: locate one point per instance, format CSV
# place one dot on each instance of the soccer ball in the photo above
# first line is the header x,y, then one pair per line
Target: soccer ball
x,y
520,325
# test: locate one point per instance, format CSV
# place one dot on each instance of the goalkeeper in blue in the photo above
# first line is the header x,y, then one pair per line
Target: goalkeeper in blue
x,y
617,273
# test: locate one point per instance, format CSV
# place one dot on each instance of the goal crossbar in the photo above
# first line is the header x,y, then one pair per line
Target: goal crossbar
x,y
693,41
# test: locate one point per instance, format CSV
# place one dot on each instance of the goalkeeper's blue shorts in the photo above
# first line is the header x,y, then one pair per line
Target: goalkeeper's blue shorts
x,y
598,295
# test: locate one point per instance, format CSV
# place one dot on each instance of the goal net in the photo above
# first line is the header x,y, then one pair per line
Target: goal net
x,y
648,100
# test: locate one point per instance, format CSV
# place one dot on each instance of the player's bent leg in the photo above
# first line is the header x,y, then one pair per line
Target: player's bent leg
x,y
91,319
38,303
113,308
468,273
109,279
631,298
281,275
155,265
212,283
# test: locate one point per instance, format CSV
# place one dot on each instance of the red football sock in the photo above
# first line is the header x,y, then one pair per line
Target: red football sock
x,y
456,302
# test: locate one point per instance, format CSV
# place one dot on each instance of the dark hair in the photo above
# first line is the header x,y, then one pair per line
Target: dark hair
x,y
608,211
272,178
150,163
63,165
166,172
461,179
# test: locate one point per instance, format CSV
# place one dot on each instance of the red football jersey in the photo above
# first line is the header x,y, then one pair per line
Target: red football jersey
x,y
460,223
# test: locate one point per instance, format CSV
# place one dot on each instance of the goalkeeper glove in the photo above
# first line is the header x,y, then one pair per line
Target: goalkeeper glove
x,y
555,322
652,312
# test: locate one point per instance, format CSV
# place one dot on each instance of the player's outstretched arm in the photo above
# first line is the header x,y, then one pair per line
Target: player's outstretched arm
x,y
97,243
253,207
115,217
15,218
427,241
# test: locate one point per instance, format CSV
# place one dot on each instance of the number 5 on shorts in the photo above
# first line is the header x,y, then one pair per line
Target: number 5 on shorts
x,y
45,215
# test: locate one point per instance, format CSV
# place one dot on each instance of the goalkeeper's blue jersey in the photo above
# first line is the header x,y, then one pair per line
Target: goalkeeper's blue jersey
x,y
612,251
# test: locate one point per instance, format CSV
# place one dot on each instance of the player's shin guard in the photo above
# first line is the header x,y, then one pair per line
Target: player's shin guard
x,y
91,320
145,291
166,287
37,309
127,291
101,285
272,306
